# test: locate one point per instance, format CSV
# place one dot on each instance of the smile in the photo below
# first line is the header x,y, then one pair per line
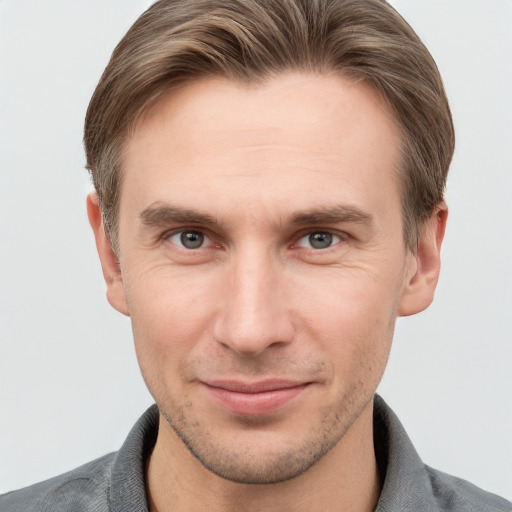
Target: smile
x,y
254,399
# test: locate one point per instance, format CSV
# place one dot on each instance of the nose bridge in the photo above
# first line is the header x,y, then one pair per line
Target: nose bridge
x,y
253,315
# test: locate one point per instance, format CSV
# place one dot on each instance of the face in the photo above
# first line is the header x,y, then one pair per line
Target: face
x,y
262,263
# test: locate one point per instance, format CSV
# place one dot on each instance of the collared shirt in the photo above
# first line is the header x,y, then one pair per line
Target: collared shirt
x,y
116,482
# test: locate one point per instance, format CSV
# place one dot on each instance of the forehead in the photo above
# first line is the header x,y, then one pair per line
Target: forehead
x,y
295,100
214,139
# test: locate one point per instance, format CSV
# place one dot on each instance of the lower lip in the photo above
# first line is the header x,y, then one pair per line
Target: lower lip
x,y
255,404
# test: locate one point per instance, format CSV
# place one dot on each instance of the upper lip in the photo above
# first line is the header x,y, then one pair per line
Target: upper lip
x,y
261,386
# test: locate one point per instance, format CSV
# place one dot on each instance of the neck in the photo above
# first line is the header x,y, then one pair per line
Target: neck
x,y
345,479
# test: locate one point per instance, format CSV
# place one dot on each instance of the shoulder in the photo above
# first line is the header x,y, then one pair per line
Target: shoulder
x,y
83,489
455,494
409,484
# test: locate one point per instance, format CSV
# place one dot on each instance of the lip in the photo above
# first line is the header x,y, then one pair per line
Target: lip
x,y
255,398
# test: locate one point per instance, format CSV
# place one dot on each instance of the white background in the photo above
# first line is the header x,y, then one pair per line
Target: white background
x,y
70,388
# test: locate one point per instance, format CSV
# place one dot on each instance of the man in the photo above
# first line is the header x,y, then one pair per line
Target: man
x,y
269,200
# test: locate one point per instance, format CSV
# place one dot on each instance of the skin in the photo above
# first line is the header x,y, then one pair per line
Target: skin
x,y
255,174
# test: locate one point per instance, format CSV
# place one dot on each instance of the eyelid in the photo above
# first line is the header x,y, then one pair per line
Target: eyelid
x,y
210,238
167,235
176,239
340,235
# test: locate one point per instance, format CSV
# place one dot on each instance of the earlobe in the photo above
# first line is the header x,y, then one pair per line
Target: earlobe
x,y
420,285
109,262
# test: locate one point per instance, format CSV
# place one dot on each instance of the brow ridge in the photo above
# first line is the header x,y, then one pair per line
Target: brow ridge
x,y
161,214
333,215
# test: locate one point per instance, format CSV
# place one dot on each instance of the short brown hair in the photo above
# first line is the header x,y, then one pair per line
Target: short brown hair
x,y
176,41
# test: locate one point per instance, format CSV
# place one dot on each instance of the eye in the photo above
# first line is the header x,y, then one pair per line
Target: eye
x,y
319,240
189,239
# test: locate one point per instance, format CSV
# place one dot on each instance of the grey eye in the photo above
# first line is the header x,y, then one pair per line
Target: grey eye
x,y
192,239
320,240
189,239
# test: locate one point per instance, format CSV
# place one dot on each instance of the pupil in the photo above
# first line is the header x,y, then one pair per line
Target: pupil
x,y
192,239
320,240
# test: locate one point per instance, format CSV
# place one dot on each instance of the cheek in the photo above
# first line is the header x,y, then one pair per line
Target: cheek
x,y
170,316
350,299
352,315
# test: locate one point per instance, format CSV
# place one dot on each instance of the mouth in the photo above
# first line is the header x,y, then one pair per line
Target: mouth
x,y
256,398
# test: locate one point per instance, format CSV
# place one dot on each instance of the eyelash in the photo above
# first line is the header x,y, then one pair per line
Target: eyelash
x,y
337,237
168,235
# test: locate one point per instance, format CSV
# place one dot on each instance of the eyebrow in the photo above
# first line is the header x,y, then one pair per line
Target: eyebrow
x,y
162,214
333,215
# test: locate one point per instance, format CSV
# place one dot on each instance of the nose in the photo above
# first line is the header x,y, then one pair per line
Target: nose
x,y
254,313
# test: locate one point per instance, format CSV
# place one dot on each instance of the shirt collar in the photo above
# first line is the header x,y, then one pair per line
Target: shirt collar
x,y
406,483
127,483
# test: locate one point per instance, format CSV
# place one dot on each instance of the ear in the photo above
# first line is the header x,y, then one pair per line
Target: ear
x,y
109,262
421,283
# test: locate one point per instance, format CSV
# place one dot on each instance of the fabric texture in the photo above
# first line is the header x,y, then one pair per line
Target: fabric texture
x,y
115,482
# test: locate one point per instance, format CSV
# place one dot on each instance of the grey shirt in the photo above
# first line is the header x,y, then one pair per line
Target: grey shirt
x,y
115,482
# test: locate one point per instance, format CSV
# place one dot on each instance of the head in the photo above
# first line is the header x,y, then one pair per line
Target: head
x,y
270,199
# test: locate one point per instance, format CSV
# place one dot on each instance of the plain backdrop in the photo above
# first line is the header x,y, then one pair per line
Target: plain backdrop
x,y
70,388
